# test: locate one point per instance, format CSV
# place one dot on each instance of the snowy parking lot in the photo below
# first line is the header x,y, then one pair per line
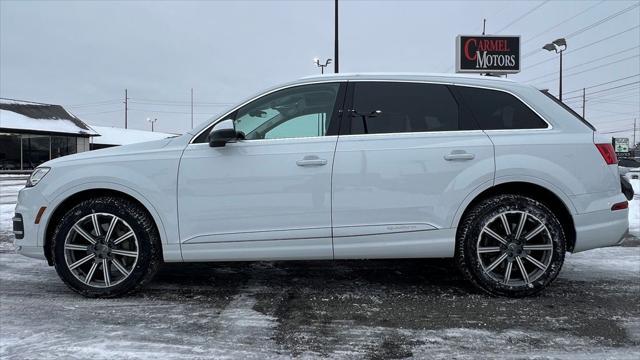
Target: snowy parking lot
x,y
313,309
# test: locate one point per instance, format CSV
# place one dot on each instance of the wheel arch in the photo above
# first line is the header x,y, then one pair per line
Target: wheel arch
x,y
75,198
559,204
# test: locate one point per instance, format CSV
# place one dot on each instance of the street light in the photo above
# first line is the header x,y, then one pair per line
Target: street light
x,y
317,62
152,122
558,45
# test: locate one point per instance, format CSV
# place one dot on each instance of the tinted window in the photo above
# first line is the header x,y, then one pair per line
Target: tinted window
x,y
394,107
301,111
494,110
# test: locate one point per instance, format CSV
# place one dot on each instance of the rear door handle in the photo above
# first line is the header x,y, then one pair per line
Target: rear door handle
x,y
459,155
311,160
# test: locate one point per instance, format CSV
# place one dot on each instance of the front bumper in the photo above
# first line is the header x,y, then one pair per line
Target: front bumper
x,y
29,243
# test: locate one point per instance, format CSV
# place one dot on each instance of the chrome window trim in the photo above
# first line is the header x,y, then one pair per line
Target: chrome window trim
x,y
435,82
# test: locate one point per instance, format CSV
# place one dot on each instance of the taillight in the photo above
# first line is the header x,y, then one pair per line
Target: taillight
x,y
608,154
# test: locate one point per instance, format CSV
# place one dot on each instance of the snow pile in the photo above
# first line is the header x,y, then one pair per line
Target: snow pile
x,y
119,136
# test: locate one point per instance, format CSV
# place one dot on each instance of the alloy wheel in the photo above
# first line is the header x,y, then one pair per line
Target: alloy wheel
x,y
514,248
101,250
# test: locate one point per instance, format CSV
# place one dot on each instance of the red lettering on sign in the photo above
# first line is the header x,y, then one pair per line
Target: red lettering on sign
x,y
466,49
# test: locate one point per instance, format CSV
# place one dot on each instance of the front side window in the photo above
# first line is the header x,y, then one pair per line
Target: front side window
x,y
498,110
396,107
297,112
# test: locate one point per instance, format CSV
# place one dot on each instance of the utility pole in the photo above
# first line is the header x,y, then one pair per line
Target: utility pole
x,y
126,109
583,102
335,55
635,125
192,108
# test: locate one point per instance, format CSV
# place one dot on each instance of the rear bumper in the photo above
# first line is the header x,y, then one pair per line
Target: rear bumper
x,y
600,229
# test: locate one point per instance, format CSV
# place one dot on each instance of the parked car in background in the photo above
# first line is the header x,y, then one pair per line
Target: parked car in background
x,y
487,171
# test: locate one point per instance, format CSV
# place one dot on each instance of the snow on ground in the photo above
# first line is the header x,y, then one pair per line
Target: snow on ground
x,y
320,309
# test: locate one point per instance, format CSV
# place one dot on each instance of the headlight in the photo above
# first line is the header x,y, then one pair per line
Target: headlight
x,y
37,175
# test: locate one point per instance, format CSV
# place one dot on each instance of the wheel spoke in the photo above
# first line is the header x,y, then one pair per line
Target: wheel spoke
x,y
523,220
534,232
535,262
120,268
87,279
494,235
505,223
96,225
488,249
81,261
112,225
496,263
83,233
523,271
538,247
507,272
105,272
75,247
125,253
123,238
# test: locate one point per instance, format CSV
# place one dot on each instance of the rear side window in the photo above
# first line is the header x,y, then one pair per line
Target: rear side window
x,y
390,107
498,110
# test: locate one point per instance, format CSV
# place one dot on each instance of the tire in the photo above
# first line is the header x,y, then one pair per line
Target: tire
x,y
537,247
81,253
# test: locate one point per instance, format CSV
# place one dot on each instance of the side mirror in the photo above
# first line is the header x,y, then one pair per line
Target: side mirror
x,y
222,133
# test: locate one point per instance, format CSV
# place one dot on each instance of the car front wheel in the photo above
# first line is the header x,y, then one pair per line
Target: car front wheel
x,y
510,245
106,247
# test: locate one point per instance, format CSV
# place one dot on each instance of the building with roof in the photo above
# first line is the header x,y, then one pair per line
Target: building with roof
x,y
32,133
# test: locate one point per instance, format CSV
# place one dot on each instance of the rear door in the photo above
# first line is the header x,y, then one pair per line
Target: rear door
x,y
405,161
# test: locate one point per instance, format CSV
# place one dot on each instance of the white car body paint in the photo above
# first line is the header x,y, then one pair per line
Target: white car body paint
x,y
376,196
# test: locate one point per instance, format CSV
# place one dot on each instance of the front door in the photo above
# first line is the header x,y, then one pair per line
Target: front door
x,y
403,166
267,196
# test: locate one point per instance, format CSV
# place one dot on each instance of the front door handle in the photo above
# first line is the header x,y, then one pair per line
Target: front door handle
x,y
459,155
311,160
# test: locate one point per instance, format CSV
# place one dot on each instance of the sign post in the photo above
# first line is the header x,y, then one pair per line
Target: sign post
x,y
488,54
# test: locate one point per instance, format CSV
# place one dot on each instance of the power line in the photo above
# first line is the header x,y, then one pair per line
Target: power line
x,y
182,105
582,71
523,16
603,90
562,22
537,51
604,57
96,103
180,102
602,21
604,83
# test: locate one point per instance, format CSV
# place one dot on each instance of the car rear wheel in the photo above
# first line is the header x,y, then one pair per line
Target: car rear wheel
x,y
510,245
106,247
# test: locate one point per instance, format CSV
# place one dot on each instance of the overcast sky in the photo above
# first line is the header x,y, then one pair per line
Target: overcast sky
x,y
84,54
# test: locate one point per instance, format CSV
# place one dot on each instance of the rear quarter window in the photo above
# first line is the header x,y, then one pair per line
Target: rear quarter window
x,y
498,110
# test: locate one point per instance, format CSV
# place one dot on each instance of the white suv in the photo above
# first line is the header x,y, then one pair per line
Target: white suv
x,y
495,174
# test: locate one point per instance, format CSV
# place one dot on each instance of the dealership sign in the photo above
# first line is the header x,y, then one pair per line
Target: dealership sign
x,y
488,54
